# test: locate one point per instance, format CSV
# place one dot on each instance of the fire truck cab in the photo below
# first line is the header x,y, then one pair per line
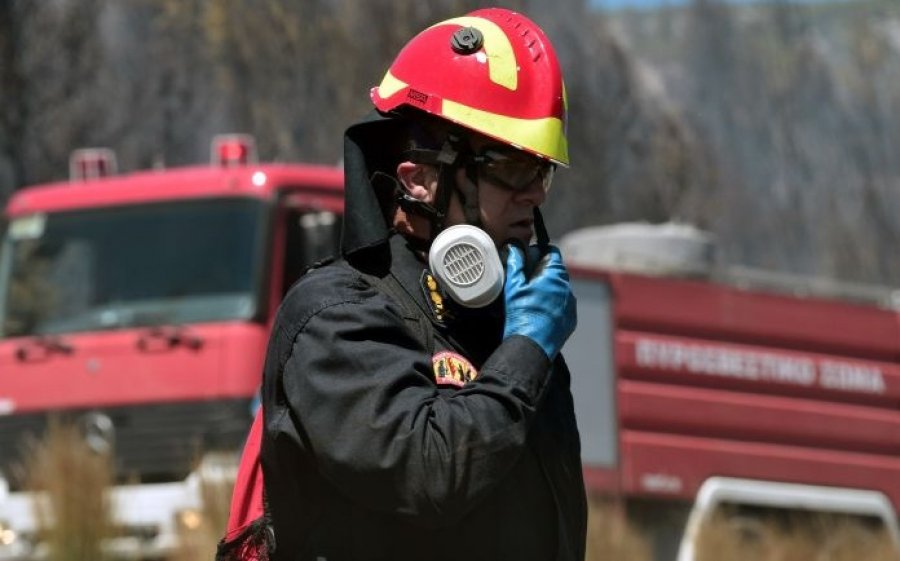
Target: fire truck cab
x,y
138,306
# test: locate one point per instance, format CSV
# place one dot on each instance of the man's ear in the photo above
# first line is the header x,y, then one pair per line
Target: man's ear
x,y
418,180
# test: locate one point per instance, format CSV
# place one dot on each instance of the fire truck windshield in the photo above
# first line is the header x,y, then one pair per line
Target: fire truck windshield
x,y
133,266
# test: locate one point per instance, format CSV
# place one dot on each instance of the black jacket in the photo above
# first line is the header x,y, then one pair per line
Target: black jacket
x,y
366,456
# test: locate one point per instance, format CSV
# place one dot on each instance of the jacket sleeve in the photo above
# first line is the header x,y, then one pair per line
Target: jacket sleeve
x,y
359,383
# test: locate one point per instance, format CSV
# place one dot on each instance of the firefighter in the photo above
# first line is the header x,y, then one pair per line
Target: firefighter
x,y
401,420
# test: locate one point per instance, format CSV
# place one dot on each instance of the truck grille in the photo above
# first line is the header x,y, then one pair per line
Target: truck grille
x,y
152,443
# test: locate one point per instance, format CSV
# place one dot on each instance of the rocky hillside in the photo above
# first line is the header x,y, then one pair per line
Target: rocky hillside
x,y
796,107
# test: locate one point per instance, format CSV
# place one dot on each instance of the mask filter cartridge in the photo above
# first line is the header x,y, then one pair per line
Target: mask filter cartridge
x,y
465,262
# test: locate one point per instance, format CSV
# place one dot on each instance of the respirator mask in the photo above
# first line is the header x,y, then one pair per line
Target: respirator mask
x,y
467,265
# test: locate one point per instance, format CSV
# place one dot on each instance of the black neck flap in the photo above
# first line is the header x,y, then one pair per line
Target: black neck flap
x,y
367,151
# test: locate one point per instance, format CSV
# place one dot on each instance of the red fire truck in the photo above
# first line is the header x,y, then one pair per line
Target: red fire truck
x,y
704,389
139,306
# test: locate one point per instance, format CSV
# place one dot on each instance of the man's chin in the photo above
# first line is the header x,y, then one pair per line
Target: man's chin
x,y
522,233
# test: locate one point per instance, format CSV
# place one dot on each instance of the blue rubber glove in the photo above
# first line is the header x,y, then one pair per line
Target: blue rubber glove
x,y
541,308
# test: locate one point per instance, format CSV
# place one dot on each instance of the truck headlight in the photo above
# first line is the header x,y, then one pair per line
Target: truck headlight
x,y
189,519
7,535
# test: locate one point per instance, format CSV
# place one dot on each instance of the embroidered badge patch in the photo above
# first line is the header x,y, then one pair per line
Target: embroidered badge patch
x,y
452,369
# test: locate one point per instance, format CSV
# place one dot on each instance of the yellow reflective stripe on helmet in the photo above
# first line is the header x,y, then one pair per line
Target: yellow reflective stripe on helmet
x,y
502,65
542,136
390,85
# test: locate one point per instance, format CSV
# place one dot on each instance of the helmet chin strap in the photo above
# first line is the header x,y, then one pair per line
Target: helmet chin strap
x,y
468,197
452,156
540,231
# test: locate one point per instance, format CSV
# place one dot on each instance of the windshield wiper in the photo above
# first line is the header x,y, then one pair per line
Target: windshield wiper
x,y
41,347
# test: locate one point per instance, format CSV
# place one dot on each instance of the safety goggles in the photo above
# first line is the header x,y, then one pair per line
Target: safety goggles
x,y
513,170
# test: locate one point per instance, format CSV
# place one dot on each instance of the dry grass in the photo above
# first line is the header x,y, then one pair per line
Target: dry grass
x,y
811,538
613,536
199,543
72,508
610,536
75,518
73,511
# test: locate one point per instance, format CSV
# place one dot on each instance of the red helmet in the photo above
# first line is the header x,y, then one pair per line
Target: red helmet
x,y
493,71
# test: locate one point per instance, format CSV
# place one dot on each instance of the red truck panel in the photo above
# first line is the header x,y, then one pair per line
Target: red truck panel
x,y
713,380
108,369
675,466
716,312
711,413
756,368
